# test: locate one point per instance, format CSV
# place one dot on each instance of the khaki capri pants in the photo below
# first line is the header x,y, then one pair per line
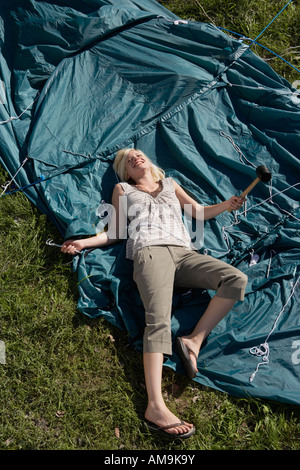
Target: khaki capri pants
x,y
157,269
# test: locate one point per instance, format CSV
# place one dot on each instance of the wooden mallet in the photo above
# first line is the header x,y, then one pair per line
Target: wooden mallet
x,y
263,174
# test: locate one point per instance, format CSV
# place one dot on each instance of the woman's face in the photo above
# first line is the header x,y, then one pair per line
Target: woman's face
x,y
136,164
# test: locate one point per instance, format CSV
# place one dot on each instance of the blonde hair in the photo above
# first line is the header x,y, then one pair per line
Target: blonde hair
x,y
120,160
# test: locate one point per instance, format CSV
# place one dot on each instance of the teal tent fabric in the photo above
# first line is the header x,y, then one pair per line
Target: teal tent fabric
x,y
95,76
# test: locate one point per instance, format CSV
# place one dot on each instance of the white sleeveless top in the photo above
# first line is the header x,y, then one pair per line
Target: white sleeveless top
x,y
154,220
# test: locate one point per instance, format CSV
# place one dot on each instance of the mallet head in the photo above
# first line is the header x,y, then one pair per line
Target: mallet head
x,y
263,173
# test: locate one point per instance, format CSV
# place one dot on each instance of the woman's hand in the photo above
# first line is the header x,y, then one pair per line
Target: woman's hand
x,y
235,203
72,246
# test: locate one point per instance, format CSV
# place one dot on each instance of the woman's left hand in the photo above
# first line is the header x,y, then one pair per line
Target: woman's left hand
x,y
235,203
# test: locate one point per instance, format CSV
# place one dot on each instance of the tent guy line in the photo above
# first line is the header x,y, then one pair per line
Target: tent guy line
x,y
263,350
119,80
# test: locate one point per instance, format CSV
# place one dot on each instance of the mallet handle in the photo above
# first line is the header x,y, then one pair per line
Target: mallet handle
x,y
250,187
247,190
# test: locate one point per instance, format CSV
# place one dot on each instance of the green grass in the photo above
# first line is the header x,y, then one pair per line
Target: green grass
x,y
70,382
249,18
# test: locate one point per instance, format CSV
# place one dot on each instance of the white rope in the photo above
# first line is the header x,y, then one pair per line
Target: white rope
x,y
272,252
263,350
247,209
237,148
280,208
270,199
13,178
12,118
242,157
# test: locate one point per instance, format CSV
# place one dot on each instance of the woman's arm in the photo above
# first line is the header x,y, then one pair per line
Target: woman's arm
x,y
115,230
205,212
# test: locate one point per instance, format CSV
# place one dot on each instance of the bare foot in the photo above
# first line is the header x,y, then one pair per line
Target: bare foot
x,y
162,416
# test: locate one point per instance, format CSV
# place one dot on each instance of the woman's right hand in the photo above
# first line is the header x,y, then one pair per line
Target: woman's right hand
x,y
72,246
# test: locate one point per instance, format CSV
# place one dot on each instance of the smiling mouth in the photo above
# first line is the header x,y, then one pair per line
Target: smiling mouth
x,y
139,162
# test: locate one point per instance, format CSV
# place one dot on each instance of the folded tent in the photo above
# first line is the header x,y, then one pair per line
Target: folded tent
x,y
82,79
